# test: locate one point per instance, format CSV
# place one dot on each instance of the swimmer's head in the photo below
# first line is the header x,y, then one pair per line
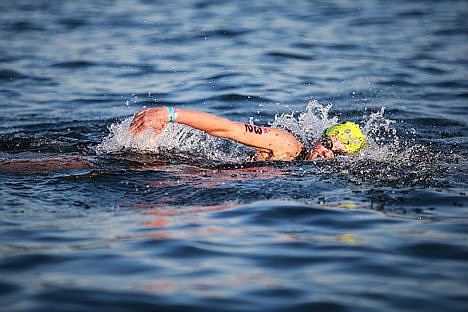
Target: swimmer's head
x,y
349,134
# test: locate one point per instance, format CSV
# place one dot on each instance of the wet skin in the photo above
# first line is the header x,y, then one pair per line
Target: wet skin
x,y
320,151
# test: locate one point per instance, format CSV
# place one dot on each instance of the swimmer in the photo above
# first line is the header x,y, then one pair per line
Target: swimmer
x,y
270,143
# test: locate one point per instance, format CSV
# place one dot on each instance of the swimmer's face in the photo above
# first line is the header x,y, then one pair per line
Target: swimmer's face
x,y
326,147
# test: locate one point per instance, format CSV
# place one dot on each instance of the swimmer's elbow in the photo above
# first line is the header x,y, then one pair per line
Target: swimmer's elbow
x,y
296,149
288,151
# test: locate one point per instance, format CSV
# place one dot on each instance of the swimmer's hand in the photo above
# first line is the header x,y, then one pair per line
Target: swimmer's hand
x,y
152,118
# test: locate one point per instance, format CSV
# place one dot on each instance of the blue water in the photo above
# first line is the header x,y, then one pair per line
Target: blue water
x,y
89,221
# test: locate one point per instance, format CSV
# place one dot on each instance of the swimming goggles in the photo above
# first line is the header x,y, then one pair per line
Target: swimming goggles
x,y
328,144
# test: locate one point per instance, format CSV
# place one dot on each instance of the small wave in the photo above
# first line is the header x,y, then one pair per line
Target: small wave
x,y
451,31
53,137
234,97
72,23
203,35
9,75
74,64
21,142
397,83
224,75
222,32
289,55
322,45
24,26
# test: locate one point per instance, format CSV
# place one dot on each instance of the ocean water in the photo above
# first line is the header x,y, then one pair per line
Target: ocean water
x,y
92,219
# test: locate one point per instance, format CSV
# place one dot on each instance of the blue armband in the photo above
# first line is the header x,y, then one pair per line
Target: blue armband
x,y
172,115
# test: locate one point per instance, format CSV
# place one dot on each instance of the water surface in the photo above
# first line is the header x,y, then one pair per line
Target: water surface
x,y
91,219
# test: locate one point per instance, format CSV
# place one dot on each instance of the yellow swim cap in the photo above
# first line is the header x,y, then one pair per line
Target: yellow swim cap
x,y
349,134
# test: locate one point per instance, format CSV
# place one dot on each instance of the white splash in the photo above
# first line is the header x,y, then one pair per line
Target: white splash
x,y
309,125
382,138
175,139
186,142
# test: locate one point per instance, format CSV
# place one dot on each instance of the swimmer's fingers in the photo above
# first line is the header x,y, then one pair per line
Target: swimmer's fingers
x,y
152,118
140,123
136,127
139,126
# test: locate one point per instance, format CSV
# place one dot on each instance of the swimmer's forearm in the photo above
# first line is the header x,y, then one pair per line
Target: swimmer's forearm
x,y
157,118
264,139
212,124
280,144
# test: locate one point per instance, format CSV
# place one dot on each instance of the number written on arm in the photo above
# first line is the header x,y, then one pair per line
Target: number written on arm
x,y
255,129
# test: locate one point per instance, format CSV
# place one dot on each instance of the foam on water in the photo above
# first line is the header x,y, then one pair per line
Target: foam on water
x,y
309,125
176,141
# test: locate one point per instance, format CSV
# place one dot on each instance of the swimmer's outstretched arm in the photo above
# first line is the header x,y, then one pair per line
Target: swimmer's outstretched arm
x,y
271,143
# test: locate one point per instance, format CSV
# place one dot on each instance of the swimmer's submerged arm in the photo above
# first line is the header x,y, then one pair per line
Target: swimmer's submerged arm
x,y
281,145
